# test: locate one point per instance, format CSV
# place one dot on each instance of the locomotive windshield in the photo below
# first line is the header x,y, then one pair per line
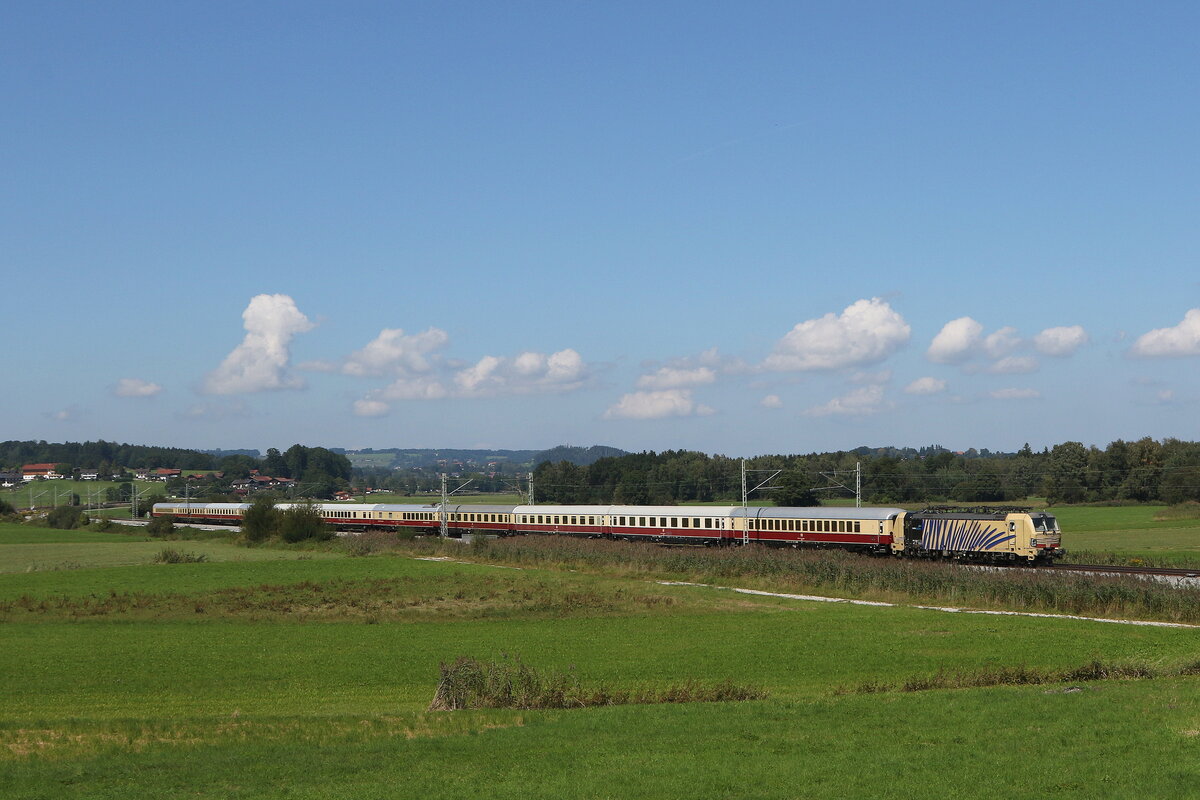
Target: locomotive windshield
x,y
1044,523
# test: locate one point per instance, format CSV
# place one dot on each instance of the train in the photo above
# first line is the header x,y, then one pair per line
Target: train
x,y
982,534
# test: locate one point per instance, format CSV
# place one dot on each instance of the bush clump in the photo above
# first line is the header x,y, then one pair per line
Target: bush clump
x,y
510,683
1022,675
161,526
169,555
65,518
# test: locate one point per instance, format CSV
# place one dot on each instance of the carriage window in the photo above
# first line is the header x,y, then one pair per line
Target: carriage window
x,y
857,526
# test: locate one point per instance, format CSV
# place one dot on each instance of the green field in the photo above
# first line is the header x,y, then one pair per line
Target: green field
x,y
1129,531
277,672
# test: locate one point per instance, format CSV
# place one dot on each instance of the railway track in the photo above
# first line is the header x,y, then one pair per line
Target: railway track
x,y
1126,570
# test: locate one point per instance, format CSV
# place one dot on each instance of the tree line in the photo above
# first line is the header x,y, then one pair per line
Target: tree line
x,y
1146,471
99,454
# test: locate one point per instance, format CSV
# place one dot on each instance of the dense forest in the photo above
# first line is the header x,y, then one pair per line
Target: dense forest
x,y
1141,471
100,454
1146,470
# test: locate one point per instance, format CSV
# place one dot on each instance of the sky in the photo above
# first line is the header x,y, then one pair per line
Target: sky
x,y
737,228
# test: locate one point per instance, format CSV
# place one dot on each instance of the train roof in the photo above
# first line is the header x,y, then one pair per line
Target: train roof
x,y
195,504
477,508
818,512
554,509
678,511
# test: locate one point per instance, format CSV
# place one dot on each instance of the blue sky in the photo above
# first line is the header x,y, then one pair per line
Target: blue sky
x,y
731,227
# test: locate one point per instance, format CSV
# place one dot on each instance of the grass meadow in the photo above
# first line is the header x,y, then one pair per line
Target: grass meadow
x,y
280,672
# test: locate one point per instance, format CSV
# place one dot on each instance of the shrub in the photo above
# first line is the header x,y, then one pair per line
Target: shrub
x,y
303,522
161,526
170,555
510,683
65,518
261,520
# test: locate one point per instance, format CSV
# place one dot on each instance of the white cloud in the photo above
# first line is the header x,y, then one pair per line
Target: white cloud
x,y
957,341
392,351
1181,340
136,387
671,378
419,388
1002,342
771,401
864,333
1016,394
859,402
1061,341
657,405
371,408
926,385
528,373
260,362
1015,365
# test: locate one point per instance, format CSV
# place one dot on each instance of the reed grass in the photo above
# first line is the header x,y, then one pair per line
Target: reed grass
x,y
1023,675
844,574
508,682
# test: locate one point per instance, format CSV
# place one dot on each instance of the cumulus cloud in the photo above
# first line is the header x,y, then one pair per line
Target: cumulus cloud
x,y
771,401
393,351
926,385
1061,341
1002,342
1014,365
657,405
528,373
866,332
260,362
1181,340
136,387
1016,394
957,341
672,378
418,388
859,402
371,408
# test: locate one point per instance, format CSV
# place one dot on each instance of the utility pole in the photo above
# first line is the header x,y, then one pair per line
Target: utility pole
x,y
133,507
445,515
837,484
858,484
527,493
746,496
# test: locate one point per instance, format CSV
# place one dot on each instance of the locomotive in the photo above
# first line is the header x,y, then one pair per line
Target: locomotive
x,y
997,535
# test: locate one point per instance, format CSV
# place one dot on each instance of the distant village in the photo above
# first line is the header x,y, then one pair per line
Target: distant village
x,y
49,472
